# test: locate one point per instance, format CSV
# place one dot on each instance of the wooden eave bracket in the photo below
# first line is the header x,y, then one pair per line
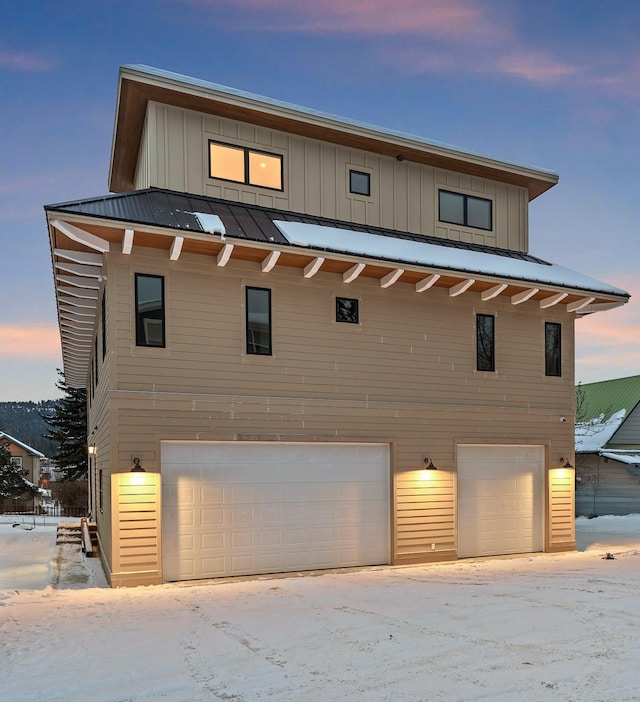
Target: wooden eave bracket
x,y
388,280
579,304
427,282
312,268
81,236
270,261
224,255
523,296
461,287
353,273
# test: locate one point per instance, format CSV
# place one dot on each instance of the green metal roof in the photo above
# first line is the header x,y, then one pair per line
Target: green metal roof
x,y
607,397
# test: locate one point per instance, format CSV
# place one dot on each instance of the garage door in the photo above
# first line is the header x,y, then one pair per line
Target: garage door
x,y
240,508
500,500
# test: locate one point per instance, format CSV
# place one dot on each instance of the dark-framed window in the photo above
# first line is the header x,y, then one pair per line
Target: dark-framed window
x,y
95,353
150,310
241,164
100,491
359,183
347,310
553,349
103,313
258,321
485,342
465,210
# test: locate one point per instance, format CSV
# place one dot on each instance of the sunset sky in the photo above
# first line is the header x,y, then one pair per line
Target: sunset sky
x,y
549,84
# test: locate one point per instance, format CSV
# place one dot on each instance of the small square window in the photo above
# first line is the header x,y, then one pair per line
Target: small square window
x,y
265,170
360,183
347,310
226,162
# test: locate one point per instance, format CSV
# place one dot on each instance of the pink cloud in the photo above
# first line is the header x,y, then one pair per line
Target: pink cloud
x,y
25,61
535,67
377,17
29,341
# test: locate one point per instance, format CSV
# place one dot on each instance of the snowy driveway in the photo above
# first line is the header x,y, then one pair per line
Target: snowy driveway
x,y
547,627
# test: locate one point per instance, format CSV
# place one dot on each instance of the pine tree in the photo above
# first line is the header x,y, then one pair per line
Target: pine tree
x,y
69,431
12,477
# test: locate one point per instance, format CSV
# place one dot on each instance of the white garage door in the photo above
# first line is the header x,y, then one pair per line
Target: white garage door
x,y
240,508
500,500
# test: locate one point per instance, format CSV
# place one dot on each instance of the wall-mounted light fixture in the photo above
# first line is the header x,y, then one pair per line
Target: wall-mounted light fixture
x,y
91,449
428,464
565,463
137,467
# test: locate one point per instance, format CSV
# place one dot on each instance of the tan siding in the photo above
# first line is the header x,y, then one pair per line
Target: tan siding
x,y
403,193
136,513
561,535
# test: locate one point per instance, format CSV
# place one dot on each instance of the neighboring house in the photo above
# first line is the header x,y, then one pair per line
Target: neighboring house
x,y
311,343
30,460
608,447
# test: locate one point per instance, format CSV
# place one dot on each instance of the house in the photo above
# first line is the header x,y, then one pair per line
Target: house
x,y
310,343
608,447
29,459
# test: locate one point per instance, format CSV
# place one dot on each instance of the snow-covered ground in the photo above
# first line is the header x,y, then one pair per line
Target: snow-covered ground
x,y
543,627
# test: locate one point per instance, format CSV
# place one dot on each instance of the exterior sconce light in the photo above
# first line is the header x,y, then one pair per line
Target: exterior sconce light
x,y
429,464
137,468
565,463
91,449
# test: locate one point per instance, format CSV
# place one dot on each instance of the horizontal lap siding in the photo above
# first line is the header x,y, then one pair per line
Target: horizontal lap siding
x,y
605,487
561,530
406,375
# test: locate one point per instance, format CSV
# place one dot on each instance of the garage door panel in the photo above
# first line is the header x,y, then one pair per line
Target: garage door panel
x,y
273,507
501,499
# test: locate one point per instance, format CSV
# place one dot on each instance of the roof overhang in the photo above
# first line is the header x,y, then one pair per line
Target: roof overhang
x,y
79,244
139,85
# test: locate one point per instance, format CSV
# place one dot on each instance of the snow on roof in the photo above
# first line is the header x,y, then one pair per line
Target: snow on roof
x,y
423,253
629,457
210,223
21,444
595,433
254,97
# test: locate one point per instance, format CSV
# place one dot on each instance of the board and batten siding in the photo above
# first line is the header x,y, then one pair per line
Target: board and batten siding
x,y
174,155
404,376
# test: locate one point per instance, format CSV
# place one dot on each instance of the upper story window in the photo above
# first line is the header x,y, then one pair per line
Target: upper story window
x,y
16,461
347,310
465,210
258,321
553,349
149,310
485,342
103,320
359,183
244,165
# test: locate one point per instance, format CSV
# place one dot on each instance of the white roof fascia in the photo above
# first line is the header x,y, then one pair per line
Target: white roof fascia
x,y
21,444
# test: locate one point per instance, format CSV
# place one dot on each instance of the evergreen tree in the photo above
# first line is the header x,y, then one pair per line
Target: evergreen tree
x,y
69,431
12,477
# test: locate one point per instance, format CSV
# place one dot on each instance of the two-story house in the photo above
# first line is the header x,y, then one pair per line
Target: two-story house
x,y
312,343
29,460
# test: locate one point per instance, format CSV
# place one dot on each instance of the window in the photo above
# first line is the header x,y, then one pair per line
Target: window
x,y
243,165
149,310
552,349
100,491
359,183
95,353
466,210
16,461
104,324
485,342
347,310
258,321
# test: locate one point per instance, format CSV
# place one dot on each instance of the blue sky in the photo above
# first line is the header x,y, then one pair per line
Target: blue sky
x,y
549,83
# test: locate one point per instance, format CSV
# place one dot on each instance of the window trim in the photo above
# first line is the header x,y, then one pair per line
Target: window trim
x,y
549,360
466,197
492,358
249,351
247,150
17,461
139,337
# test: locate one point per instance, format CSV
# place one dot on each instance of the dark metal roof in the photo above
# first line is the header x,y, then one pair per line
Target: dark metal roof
x,y
174,210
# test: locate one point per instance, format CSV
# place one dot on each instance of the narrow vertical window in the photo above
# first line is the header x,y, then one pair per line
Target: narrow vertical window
x,y
100,491
552,349
95,353
485,342
258,321
150,310
104,323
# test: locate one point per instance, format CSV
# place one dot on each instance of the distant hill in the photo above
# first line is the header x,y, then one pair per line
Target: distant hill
x,y
22,420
